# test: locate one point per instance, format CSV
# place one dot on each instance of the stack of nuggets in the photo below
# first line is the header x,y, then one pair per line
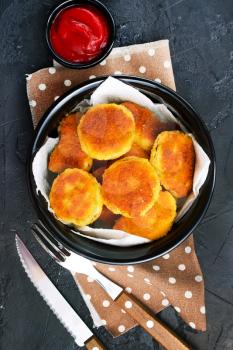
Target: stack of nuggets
x,y
144,165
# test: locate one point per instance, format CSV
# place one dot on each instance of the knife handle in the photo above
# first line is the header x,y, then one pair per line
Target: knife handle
x,y
160,332
94,344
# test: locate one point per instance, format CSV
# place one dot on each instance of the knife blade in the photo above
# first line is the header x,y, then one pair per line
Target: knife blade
x,y
56,302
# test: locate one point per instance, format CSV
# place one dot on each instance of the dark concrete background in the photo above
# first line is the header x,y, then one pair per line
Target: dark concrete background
x,y
201,40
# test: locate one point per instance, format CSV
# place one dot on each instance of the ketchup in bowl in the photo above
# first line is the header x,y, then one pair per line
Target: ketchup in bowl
x,y
79,34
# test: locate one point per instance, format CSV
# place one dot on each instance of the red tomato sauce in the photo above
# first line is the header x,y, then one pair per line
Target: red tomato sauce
x,y
79,33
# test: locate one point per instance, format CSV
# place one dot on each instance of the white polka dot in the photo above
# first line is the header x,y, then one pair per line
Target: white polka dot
x,y
92,76
103,63
156,267
181,267
56,97
172,280
142,69
67,82
188,250
128,290
106,303
162,293
28,76
202,310
130,268
104,322
123,311
177,309
117,72
32,103
129,275
146,280
95,348
121,328
88,296
112,269
166,256
42,87
146,296
150,324
52,70
198,278
188,294
158,80
192,325
151,52
167,64
165,302
89,279
128,304
127,58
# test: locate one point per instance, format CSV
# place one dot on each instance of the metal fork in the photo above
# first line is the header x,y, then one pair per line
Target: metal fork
x,y
72,261
76,263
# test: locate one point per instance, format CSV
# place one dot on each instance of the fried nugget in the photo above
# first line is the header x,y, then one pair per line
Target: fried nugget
x,y
130,186
173,157
68,153
147,124
106,131
156,223
75,197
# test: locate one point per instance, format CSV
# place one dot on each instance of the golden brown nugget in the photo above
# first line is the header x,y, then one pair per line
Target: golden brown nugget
x,y
106,131
68,153
130,186
173,157
156,223
75,197
147,125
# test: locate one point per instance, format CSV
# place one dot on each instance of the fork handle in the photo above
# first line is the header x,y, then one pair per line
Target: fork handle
x,y
94,344
152,325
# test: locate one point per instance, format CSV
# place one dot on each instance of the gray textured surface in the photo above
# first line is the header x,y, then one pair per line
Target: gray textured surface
x,y
201,40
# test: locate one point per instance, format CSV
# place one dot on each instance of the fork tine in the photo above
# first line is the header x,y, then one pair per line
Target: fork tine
x,y
56,245
45,243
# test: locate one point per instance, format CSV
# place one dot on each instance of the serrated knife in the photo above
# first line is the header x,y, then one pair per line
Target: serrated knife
x,y
78,264
56,302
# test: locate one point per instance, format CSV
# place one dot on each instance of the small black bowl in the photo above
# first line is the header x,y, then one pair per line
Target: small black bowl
x,y
106,50
180,231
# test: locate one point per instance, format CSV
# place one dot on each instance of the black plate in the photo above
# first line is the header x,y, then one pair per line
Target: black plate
x,y
180,231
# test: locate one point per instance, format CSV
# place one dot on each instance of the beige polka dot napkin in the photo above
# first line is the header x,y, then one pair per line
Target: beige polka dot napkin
x,y
176,278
